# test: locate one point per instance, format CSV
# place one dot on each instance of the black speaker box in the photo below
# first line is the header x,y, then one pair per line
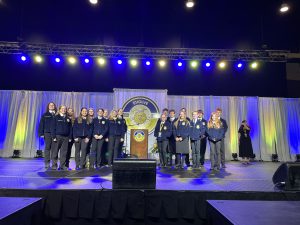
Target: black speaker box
x,y
134,174
288,174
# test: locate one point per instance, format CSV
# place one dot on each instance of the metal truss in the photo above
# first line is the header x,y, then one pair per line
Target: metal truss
x,y
142,52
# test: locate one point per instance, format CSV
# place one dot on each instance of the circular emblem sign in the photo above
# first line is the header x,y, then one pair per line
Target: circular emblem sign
x,y
139,136
141,113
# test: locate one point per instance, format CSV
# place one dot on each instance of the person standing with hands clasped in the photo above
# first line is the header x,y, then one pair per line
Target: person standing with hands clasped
x,y
162,132
245,144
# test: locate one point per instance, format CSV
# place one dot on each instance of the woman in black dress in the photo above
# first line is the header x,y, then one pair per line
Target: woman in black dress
x,y
245,145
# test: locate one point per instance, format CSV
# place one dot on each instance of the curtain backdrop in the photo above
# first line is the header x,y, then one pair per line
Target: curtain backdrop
x,y
274,121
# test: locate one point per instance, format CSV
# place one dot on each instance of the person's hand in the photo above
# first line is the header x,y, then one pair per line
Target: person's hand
x,y
42,136
86,140
70,140
76,139
96,136
106,139
180,139
122,139
54,139
177,139
100,137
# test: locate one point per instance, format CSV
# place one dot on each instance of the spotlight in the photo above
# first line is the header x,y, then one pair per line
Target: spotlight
x,y
297,157
72,60
207,64
179,64
120,62
239,65
235,156
190,3
94,2
162,63
16,154
38,59
194,64
222,65
101,61
148,63
133,62
284,8
254,65
275,158
57,59
86,60
23,58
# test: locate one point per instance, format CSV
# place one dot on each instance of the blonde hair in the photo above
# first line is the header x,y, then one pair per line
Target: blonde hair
x,y
218,124
111,114
187,123
88,119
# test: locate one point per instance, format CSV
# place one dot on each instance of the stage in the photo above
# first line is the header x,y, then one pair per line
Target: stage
x,y
180,197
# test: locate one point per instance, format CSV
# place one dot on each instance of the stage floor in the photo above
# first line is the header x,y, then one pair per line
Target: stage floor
x,y
30,174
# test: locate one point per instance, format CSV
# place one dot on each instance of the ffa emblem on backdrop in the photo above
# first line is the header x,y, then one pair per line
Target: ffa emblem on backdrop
x,y
141,113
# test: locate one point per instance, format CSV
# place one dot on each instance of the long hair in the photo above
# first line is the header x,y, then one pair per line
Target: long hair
x,y
187,123
71,117
88,119
55,108
59,108
111,114
211,124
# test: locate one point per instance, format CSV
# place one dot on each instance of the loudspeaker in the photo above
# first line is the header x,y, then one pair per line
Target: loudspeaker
x,y
288,174
134,174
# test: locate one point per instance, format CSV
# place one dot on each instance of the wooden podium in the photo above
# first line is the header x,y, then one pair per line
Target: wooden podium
x,y
139,143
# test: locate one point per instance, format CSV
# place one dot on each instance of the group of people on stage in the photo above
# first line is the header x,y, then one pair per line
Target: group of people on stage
x,y
175,136
101,136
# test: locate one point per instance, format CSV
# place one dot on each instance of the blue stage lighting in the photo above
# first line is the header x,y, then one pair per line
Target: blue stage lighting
x,y
86,60
120,61
148,63
57,59
239,65
207,64
23,58
179,64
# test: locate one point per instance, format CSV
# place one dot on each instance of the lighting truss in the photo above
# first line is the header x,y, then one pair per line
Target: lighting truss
x,y
142,52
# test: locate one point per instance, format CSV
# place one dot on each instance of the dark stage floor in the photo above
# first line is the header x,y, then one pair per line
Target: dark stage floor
x,y
30,174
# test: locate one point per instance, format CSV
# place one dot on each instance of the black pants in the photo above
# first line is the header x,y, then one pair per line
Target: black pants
x,y
70,145
104,153
113,148
61,146
171,151
48,148
202,150
195,144
96,152
181,158
80,152
162,150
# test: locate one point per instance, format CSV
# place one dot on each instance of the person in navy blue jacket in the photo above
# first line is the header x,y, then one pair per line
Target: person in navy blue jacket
x,y
203,140
61,134
44,131
181,130
162,132
197,131
71,116
116,132
172,142
82,132
121,117
225,126
100,129
215,132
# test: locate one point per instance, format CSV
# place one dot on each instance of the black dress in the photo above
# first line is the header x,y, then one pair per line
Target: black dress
x,y
245,146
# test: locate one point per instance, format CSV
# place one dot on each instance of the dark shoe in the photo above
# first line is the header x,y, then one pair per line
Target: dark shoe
x,y
47,166
223,166
63,168
77,168
54,167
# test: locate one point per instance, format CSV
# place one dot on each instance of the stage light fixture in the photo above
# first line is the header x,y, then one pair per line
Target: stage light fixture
x,y
222,65
23,58
254,65
72,60
207,64
94,2
119,61
275,158
162,63
86,60
179,64
38,59
190,3
57,60
101,61
133,62
148,63
239,65
284,8
235,156
194,64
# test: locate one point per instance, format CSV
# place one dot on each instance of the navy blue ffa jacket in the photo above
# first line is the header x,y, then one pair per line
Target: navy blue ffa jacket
x,y
100,126
124,125
45,123
182,130
215,134
116,127
198,129
172,123
225,126
163,130
82,130
61,125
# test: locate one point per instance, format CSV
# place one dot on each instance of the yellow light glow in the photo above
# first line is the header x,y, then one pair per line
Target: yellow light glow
x,y
38,59
162,63
72,60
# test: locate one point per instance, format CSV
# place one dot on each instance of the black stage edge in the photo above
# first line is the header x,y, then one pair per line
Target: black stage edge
x,y
134,206
228,212
21,211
